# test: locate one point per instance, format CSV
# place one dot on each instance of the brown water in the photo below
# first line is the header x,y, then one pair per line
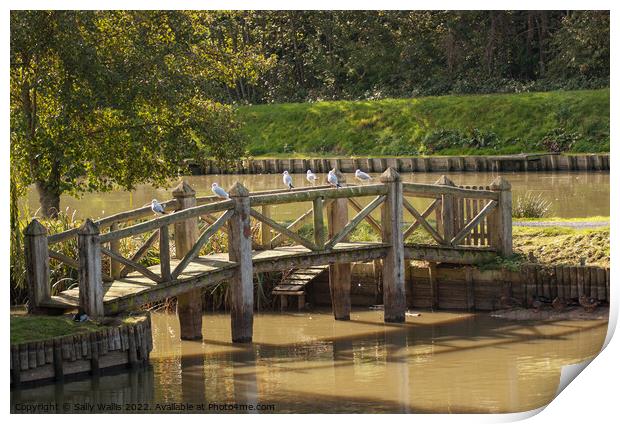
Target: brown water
x,y
308,362
572,194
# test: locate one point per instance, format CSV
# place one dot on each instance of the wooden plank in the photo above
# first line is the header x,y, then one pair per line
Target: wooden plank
x,y
373,223
474,222
351,225
468,218
422,221
140,252
164,253
476,233
425,214
265,230
195,250
432,278
294,226
136,266
502,218
282,229
443,189
178,216
308,195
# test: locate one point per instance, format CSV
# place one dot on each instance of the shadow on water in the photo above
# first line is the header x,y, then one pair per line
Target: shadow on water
x,y
457,363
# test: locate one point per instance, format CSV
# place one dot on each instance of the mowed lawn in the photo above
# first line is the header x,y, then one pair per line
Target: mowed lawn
x,y
401,126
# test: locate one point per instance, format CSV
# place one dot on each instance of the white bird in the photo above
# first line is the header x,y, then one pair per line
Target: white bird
x,y
362,176
219,191
288,180
333,179
157,208
311,176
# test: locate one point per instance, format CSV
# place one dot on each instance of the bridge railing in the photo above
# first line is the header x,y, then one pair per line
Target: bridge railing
x,y
476,218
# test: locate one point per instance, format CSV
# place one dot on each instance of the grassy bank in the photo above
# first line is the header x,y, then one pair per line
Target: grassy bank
x,y
473,124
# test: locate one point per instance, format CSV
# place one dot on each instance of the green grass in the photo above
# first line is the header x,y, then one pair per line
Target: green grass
x,y
30,328
399,126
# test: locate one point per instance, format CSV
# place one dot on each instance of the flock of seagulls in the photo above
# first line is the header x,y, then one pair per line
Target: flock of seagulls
x,y
287,179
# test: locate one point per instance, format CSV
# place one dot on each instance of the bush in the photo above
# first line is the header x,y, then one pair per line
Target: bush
x,y
530,206
559,140
448,139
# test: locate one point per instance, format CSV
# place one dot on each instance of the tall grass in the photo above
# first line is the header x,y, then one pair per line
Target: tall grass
x,y
530,205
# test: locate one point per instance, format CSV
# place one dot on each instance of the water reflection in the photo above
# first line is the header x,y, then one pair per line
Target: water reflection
x,y
572,194
438,362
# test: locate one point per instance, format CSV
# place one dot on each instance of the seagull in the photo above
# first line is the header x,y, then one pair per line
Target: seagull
x,y
157,207
362,176
311,176
219,191
288,180
333,179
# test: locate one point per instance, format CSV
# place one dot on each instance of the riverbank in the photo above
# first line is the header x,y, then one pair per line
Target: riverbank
x,y
530,162
447,125
53,348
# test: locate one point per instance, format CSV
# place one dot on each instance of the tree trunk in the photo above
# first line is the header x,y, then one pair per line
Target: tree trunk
x,y
49,200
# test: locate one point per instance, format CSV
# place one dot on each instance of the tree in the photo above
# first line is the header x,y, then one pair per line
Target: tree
x,y
117,98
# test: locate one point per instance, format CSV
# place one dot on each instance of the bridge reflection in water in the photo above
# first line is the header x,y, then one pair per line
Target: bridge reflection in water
x,y
439,362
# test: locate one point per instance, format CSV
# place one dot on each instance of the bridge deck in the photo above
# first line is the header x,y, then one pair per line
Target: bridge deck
x,y
136,289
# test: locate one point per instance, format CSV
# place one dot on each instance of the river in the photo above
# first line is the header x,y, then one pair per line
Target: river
x,y
571,194
440,362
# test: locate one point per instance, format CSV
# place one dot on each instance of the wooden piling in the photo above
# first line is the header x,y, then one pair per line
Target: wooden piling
x,y
91,289
37,264
189,304
339,273
394,263
240,251
501,217
432,280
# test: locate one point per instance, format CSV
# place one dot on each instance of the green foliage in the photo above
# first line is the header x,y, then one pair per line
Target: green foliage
x,y
559,140
370,55
117,98
530,205
474,124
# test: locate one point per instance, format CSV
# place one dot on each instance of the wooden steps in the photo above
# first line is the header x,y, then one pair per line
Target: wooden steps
x,y
295,285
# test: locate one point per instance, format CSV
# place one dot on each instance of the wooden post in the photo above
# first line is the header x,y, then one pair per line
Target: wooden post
x,y
501,217
115,245
447,211
37,264
265,230
394,301
240,251
189,304
432,279
164,253
339,273
90,281
319,226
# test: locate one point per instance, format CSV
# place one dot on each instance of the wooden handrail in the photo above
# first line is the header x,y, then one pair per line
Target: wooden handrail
x,y
354,222
109,220
433,190
311,194
167,220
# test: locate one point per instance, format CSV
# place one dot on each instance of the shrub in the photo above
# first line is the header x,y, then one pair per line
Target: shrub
x,y
559,140
530,206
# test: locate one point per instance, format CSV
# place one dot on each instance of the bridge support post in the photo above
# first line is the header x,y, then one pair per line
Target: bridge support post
x,y
501,217
339,273
240,251
394,302
37,264
189,304
91,289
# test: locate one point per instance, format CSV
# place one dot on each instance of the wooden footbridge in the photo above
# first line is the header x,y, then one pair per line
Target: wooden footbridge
x,y
470,224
